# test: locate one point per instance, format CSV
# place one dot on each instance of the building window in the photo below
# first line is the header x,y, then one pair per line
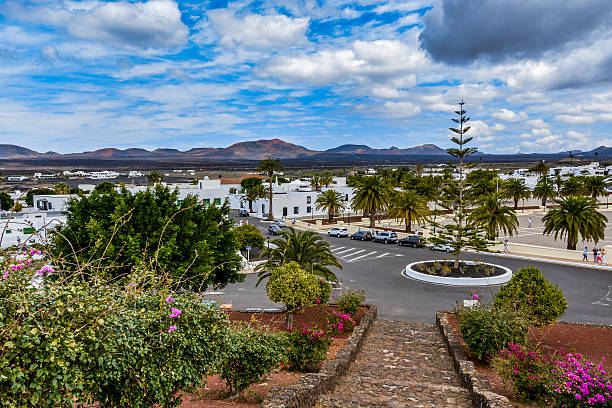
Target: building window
x,y
296,210
285,211
217,201
309,209
308,199
346,197
206,201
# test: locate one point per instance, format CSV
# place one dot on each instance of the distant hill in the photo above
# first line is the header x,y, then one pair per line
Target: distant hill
x,y
260,149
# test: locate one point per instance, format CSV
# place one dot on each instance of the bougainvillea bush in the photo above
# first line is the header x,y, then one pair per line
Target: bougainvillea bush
x,y
307,347
339,323
567,381
73,339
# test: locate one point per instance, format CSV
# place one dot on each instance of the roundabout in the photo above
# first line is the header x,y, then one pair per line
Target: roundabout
x,y
440,272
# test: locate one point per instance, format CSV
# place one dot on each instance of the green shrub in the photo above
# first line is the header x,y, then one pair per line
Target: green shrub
x,y
325,292
339,323
307,347
294,287
248,235
350,301
248,355
530,293
530,374
487,329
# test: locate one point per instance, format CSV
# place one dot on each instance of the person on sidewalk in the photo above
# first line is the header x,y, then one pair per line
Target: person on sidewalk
x,y
506,249
529,223
603,257
595,253
584,254
598,259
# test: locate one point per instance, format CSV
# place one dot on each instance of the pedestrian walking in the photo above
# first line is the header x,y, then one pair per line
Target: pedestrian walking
x,y
529,223
293,221
598,260
584,254
603,257
595,253
506,249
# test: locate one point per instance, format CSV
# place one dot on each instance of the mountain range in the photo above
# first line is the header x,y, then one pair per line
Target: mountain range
x,y
260,149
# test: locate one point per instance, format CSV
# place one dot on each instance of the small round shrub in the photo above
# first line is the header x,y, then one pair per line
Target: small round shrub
x,y
248,355
248,235
529,292
307,347
487,329
294,287
350,301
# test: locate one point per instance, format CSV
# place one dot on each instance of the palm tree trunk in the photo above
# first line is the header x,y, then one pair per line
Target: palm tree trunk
x,y
330,216
543,201
571,245
515,204
270,216
372,219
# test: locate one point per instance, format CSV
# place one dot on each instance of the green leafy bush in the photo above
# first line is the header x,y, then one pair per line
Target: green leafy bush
x,y
292,286
248,355
307,347
530,293
65,341
530,374
339,323
248,235
487,329
325,292
350,301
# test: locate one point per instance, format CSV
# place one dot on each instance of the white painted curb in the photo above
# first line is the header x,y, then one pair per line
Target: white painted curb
x,y
545,260
443,280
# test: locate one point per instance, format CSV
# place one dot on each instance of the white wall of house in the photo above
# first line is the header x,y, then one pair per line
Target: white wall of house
x,y
58,202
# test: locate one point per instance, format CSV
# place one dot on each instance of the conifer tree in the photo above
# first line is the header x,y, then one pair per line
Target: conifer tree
x,y
459,233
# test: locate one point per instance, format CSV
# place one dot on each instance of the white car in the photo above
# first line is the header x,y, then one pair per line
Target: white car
x,y
338,232
281,223
385,236
441,247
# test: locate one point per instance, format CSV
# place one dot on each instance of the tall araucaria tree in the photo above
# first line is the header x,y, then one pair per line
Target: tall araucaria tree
x,y
459,233
270,166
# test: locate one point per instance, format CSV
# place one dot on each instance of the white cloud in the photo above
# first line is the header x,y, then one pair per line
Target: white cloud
x,y
384,92
257,31
365,61
576,120
152,24
399,109
509,116
537,123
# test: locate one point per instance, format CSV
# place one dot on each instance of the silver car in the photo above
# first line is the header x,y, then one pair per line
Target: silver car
x,y
338,232
441,247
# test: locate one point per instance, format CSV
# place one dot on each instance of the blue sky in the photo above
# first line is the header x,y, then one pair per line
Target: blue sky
x,y
82,75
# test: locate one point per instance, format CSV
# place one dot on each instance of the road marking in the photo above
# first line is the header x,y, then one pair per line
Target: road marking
x,y
606,300
338,248
381,255
362,256
352,254
345,251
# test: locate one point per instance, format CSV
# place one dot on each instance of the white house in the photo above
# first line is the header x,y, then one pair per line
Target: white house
x,y
58,202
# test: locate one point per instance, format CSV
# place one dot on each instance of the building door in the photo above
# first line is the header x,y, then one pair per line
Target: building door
x,y
284,211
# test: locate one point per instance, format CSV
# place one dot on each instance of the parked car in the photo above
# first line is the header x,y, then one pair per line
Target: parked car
x,y
413,241
274,229
362,235
441,247
338,232
243,213
281,223
385,236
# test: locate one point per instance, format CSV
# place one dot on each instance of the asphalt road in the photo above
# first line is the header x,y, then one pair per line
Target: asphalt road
x,y
377,268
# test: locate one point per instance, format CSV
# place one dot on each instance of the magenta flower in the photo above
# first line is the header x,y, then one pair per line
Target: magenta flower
x,y
171,329
475,297
169,299
175,312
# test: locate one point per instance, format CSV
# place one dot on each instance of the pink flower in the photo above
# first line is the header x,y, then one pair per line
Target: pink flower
x,y
169,299
175,312
171,329
475,297
5,274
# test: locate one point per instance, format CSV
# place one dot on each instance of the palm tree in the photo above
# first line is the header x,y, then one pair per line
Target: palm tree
x,y
315,182
516,189
595,186
62,188
541,168
253,193
409,206
575,216
494,217
545,189
270,166
331,201
572,187
154,177
326,178
307,248
371,196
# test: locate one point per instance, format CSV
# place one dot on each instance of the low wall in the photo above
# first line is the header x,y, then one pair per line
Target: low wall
x,y
542,251
306,393
476,383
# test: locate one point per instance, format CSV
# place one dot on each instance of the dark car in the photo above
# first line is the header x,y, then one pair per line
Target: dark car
x,y
362,235
274,229
413,241
243,213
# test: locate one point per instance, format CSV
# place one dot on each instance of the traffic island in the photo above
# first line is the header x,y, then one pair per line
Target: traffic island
x,y
468,273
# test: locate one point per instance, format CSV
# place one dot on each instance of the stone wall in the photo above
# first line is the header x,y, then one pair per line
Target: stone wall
x,y
476,383
306,393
